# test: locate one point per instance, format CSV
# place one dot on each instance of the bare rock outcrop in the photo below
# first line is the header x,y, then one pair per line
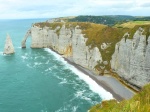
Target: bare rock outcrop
x,y
9,48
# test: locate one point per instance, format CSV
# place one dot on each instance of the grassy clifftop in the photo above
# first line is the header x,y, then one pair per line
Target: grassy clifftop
x,y
132,24
139,103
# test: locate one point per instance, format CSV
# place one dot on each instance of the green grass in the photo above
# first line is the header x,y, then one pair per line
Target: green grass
x,y
50,25
139,103
132,24
145,27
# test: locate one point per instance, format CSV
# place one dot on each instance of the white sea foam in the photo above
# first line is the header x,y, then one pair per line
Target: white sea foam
x,y
54,67
64,81
62,109
83,95
74,108
68,108
37,63
49,69
79,93
35,57
92,84
47,62
1,53
29,66
24,57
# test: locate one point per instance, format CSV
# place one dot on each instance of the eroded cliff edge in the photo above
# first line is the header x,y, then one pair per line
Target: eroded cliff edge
x,y
99,48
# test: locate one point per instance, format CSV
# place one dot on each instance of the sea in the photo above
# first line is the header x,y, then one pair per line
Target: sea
x,y
40,80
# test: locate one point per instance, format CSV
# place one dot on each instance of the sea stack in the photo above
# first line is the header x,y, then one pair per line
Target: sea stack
x,y
9,48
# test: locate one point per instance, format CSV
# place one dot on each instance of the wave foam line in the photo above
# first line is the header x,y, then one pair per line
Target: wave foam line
x,y
105,95
1,53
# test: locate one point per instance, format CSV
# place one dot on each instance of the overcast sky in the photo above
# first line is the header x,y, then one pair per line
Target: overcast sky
x,y
60,8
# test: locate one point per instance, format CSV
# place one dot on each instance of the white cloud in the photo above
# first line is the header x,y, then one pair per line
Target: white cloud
x,y
56,8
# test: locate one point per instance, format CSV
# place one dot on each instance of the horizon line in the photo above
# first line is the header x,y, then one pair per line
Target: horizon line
x,y
68,16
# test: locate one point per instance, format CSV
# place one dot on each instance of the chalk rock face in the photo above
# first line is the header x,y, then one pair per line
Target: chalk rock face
x,y
40,37
9,48
131,59
23,44
82,54
69,42
48,38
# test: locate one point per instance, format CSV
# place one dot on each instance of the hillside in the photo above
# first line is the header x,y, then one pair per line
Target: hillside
x,y
139,103
106,20
132,24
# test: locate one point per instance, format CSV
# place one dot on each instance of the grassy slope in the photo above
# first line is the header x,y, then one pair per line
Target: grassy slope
x,y
132,24
107,20
139,103
98,34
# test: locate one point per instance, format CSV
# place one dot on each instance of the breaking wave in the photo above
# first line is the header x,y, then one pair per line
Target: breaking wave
x,y
1,53
92,84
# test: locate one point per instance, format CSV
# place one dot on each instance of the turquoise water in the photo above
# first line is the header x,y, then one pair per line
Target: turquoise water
x,y
39,80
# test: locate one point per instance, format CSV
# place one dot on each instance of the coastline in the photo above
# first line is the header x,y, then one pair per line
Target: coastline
x,y
109,83
112,85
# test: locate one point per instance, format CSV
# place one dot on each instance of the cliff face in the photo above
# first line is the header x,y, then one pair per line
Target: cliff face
x,y
69,42
131,59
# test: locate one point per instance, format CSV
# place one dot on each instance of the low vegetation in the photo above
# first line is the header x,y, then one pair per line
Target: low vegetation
x,y
139,103
107,20
50,25
132,24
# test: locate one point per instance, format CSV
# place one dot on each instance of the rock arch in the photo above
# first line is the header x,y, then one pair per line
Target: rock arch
x,y
23,43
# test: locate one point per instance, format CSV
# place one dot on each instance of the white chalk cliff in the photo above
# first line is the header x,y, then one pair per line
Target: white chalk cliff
x,y
130,59
9,48
69,42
